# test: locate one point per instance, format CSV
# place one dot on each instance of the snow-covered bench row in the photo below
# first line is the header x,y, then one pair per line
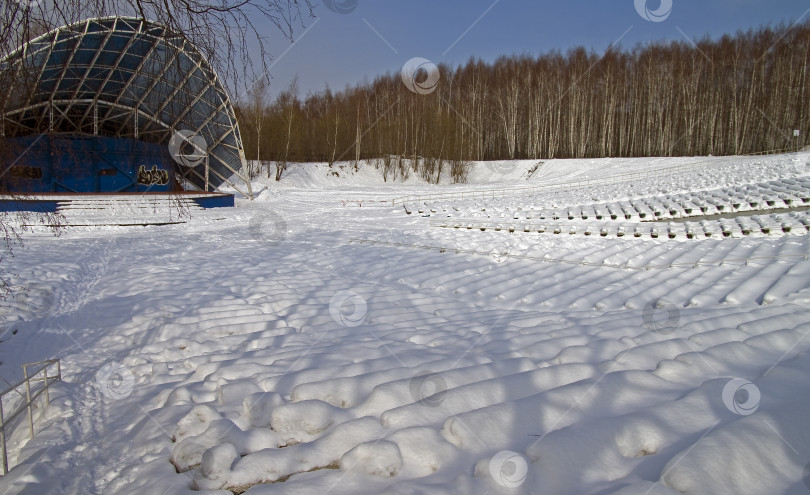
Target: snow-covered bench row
x,y
787,193
703,173
796,223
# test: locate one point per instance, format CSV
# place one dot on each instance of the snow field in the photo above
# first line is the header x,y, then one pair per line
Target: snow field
x,y
360,350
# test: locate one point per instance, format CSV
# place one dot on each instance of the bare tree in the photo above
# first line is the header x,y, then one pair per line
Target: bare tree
x,y
289,107
257,107
226,33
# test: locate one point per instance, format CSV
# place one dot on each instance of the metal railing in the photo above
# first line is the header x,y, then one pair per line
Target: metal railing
x,y
41,368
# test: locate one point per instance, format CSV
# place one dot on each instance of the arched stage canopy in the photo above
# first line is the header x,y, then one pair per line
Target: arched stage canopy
x,y
128,79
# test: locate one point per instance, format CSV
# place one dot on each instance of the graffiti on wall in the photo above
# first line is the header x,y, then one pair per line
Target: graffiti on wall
x,y
155,176
32,173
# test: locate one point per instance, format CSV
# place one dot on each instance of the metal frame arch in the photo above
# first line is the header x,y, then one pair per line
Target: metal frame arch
x,y
142,91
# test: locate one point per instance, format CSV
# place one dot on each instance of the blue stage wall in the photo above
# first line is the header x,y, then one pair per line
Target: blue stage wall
x,y
86,164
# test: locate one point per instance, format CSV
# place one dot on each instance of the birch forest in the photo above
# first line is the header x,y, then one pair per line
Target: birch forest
x,y
743,93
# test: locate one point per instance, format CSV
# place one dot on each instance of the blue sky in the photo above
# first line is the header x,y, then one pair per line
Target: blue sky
x,y
379,36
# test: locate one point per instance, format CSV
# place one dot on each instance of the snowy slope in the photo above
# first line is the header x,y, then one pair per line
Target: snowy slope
x,y
322,340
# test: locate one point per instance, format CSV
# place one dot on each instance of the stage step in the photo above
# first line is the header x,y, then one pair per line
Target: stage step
x,y
126,210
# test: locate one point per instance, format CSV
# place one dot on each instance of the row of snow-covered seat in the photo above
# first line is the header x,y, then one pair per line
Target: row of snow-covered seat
x,y
785,193
797,223
740,199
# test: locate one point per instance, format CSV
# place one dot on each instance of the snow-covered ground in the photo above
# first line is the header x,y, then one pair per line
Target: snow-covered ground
x,y
321,340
